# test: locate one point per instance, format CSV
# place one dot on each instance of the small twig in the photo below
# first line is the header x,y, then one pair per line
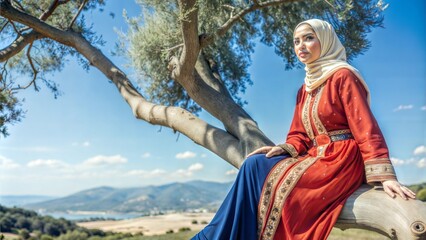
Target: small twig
x,y
19,5
7,22
78,13
34,71
331,5
4,73
16,29
50,10
174,48
229,7
256,2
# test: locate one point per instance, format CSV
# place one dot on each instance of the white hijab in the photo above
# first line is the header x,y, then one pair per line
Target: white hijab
x,y
332,58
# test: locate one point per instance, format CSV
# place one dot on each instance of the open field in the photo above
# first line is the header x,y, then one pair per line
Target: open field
x,y
155,227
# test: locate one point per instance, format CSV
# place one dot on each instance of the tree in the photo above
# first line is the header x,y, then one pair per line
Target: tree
x,y
24,234
52,229
186,52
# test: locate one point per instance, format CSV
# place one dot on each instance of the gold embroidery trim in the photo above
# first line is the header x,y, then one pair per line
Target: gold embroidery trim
x,y
305,117
269,189
289,148
379,169
317,122
286,186
337,132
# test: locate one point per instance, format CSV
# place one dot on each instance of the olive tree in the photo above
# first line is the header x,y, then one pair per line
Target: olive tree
x,y
190,56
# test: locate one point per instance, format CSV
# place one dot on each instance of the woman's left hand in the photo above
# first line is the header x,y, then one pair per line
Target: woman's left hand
x,y
393,187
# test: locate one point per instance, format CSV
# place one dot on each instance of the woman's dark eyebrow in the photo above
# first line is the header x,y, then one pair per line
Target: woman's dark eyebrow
x,y
304,35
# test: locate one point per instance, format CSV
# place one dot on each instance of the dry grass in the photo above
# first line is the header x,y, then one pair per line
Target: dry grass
x,y
155,227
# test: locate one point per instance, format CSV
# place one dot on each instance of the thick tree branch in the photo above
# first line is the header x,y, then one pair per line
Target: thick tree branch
x,y
26,38
20,43
216,140
191,43
202,87
235,18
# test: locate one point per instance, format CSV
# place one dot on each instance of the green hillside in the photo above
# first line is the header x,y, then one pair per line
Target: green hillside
x,y
174,196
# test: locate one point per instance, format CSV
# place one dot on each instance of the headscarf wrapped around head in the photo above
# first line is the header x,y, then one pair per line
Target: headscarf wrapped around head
x,y
332,57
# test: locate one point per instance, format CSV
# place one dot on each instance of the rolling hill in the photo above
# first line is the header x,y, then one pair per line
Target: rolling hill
x,y
174,196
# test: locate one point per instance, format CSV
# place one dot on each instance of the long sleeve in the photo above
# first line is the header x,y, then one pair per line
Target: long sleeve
x,y
365,129
297,140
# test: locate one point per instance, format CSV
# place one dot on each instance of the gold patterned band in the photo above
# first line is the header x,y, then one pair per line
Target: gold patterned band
x,y
379,169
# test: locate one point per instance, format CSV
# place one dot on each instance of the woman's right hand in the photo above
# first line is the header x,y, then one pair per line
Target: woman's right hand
x,y
268,150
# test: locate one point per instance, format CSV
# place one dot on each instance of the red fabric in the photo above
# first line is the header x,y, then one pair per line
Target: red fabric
x,y
313,206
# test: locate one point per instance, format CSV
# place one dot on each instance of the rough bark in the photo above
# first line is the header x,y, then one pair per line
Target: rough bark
x,y
366,209
372,209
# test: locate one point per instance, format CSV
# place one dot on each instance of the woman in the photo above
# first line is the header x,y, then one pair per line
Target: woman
x,y
298,189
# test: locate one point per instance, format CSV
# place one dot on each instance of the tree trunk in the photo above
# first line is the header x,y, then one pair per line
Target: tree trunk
x,y
372,209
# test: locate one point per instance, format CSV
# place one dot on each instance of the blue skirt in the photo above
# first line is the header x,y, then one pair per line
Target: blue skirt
x,y
237,216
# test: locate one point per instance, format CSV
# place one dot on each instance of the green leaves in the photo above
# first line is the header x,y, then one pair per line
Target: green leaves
x,y
158,30
10,111
155,37
39,59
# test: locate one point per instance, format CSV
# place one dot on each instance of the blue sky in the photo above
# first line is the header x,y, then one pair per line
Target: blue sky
x,y
88,137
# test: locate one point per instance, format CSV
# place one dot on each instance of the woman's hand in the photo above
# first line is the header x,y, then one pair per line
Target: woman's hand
x,y
269,150
393,187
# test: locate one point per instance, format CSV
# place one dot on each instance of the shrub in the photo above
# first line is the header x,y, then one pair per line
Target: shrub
x,y
184,229
170,231
46,237
194,222
421,195
24,234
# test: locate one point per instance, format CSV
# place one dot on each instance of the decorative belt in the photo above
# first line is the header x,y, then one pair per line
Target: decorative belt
x,y
334,136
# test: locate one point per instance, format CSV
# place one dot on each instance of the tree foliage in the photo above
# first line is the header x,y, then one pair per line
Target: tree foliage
x,y
156,36
34,64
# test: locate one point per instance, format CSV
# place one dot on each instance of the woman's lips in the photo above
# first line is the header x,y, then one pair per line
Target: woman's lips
x,y
303,54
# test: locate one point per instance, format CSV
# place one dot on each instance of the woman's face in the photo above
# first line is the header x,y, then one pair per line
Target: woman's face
x,y
306,44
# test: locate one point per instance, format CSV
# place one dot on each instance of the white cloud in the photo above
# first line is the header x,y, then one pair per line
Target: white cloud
x,y
146,155
189,171
186,155
421,163
147,174
83,144
50,163
231,172
420,150
105,160
403,107
195,167
203,155
397,162
6,163
423,108
183,173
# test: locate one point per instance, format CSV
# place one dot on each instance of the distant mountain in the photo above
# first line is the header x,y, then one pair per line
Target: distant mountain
x,y
174,196
21,200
